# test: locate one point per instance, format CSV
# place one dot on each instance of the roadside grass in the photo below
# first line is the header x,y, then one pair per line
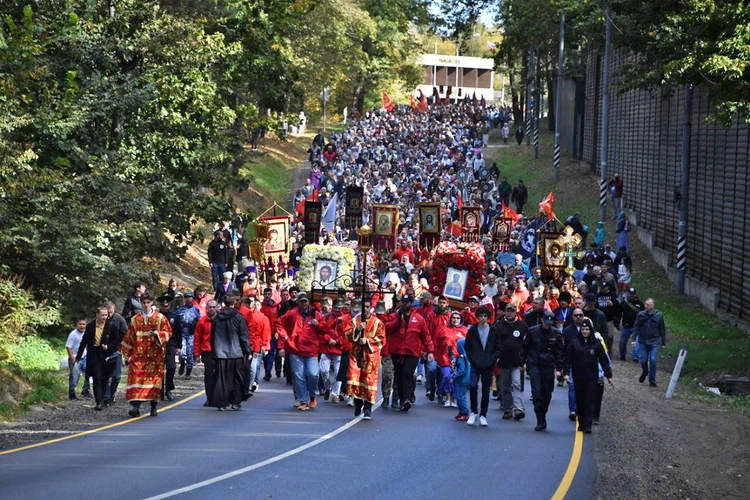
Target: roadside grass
x,y
714,346
33,376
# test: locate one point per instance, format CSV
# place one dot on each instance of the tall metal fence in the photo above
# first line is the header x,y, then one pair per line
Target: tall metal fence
x,y
645,142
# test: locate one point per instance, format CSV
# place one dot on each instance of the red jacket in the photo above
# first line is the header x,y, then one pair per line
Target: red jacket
x,y
339,325
202,337
386,350
400,252
325,344
470,318
408,337
202,304
272,313
448,337
259,330
435,322
300,337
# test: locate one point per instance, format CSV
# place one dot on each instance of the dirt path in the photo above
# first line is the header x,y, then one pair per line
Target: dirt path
x,y
650,447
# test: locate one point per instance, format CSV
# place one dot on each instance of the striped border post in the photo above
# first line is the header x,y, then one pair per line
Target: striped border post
x,y
603,195
556,161
681,252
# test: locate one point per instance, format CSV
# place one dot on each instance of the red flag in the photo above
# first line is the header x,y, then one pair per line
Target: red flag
x,y
423,105
455,228
387,103
547,206
301,205
460,200
510,213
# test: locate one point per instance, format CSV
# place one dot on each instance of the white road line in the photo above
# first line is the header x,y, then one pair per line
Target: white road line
x,y
15,431
258,465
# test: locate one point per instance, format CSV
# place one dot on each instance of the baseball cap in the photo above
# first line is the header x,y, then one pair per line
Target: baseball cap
x,y
548,318
189,294
511,307
474,298
590,297
632,290
302,296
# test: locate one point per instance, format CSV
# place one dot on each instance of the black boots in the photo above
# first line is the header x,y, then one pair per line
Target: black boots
x,y
188,372
182,367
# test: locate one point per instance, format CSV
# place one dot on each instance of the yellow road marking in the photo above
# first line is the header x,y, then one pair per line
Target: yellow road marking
x,y
575,459
98,429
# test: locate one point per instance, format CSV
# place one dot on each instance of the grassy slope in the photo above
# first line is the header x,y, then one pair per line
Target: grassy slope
x,y
714,346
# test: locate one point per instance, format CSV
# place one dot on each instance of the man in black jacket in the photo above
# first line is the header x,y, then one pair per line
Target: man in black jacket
x,y
482,350
133,303
544,356
101,342
630,307
217,258
230,350
569,333
520,194
174,344
512,334
597,317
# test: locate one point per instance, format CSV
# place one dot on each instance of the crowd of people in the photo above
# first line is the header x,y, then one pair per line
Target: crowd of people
x,y
551,328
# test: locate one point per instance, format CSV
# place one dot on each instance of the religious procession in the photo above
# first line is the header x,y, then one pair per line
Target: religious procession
x,y
399,267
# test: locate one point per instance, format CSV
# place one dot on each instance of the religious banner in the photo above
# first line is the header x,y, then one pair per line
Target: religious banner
x,y
567,248
429,225
312,216
354,203
471,220
385,222
276,229
551,250
500,232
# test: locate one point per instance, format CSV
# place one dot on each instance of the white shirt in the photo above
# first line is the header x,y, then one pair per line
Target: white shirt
x,y
74,341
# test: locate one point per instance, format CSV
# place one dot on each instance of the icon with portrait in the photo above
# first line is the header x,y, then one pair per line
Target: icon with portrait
x,y
455,283
325,272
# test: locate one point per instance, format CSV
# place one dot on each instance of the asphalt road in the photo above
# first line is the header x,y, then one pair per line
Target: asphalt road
x,y
268,449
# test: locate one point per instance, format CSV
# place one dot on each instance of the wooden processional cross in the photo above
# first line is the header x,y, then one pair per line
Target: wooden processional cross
x,y
570,241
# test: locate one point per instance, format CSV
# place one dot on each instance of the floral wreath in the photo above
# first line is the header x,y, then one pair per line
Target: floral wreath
x,y
343,255
468,256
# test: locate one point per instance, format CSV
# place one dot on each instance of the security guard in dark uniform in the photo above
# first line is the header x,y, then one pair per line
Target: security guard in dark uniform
x,y
173,346
583,355
543,353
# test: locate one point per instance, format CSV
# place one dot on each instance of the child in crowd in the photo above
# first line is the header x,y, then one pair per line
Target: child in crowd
x,y
461,378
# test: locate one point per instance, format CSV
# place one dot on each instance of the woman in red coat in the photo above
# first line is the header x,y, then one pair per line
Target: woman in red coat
x,y
445,348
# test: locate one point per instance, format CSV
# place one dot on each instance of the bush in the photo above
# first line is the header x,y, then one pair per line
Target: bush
x,y
20,317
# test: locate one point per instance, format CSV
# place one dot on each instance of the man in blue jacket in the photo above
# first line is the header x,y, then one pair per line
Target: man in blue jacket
x,y
650,331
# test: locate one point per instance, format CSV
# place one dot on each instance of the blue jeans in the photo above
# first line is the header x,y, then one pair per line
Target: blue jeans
x,y
420,368
463,404
446,387
431,369
252,371
268,358
637,350
74,377
306,372
648,355
187,353
624,338
111,389
217,272
572,407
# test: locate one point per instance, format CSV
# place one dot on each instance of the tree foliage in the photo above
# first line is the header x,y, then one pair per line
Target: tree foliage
x,y
123,122
702,42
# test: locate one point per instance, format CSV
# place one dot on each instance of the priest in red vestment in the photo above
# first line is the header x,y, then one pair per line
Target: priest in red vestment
x,y
367,335
145,344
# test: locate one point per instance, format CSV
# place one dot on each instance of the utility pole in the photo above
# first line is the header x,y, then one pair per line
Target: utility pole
x,y
605,118
537,103
529,64
684,181
558,100
324,96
